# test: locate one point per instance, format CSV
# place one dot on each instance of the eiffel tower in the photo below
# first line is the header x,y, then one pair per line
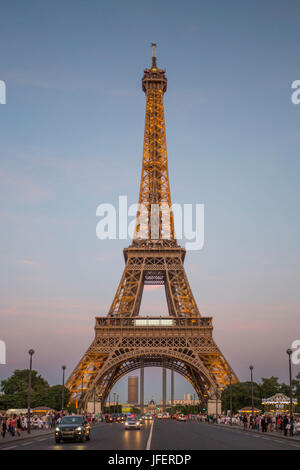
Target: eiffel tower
x,y
125,341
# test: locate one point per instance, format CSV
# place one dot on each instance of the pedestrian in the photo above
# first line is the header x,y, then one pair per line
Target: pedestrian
x,y
292,424
4,427
19,425
13,424
245,422
278,424
285,423
264,424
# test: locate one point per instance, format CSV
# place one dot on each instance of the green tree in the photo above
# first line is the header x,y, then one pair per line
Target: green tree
x,y
269,387
55,395
296,390
15,389
241,396
18,382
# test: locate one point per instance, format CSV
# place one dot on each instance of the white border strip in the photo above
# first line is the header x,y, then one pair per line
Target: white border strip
x,y
150,436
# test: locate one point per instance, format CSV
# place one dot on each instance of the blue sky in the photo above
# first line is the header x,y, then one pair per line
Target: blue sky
x,y
71,137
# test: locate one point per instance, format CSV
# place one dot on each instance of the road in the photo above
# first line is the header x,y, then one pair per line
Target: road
x,y
165,435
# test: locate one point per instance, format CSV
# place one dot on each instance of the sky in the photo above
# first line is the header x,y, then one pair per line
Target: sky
x,y
71,137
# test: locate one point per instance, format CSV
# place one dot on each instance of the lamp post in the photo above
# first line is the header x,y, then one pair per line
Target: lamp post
x,y
117,403
114,402
230,382
31,353
82,393
252,399
289,353
63,391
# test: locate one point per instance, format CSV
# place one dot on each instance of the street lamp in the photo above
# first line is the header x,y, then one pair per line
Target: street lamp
x,y
95,399
252,400
31,353
217,396
114,402
81,408
289,353
63,391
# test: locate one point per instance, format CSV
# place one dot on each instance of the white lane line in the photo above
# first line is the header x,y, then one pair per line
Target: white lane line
x,y
7,448
27,444
150,437
44,439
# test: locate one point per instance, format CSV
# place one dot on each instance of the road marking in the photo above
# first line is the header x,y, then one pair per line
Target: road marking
x,y
44,439
150,437
27,444
7,448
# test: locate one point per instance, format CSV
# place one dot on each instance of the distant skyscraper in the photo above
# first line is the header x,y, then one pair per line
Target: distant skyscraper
x,y
187,396
133,387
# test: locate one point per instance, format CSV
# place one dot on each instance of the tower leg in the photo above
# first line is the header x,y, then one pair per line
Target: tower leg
x,y
172,388
164,386
142,387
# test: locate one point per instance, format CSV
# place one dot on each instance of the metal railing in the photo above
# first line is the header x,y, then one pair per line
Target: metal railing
x,y
150,322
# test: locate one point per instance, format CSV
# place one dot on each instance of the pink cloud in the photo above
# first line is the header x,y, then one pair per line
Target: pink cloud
x,y
33,264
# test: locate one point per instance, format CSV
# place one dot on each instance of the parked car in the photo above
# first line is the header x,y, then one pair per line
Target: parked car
x,y
72,428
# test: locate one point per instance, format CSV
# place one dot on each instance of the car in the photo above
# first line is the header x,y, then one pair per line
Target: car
x,y
133,423
115,418
181,417
108,419
74,428
147,417
159,416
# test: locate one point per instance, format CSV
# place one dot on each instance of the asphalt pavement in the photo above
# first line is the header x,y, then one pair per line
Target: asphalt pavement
x,y
161,435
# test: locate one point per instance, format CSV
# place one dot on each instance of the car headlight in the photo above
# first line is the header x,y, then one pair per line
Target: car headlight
x,y
79,428
57,429
126,423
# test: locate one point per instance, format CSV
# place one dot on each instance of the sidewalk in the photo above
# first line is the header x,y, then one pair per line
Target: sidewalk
x,y
274,434
25,436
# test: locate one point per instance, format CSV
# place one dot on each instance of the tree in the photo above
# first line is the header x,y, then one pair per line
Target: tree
x,y
241,396
270,387
18,382
55,395
15,390
296,389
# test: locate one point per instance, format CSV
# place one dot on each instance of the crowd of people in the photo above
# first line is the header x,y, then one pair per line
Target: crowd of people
x,y
265,423
15,424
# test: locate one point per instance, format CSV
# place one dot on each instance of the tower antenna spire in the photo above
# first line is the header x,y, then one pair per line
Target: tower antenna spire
x,y
153,45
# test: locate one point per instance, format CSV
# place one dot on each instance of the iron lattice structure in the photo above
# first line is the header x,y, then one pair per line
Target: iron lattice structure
x,y
123,340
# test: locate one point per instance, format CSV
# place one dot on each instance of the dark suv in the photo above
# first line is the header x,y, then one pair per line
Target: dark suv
x,y
72,427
